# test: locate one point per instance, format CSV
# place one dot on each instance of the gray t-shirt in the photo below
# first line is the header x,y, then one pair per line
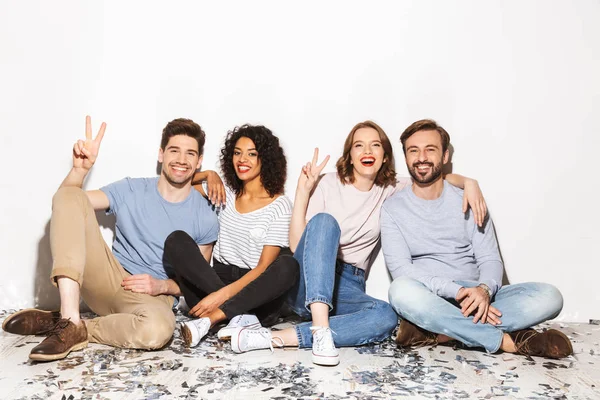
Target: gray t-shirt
x,y
434,242
145,219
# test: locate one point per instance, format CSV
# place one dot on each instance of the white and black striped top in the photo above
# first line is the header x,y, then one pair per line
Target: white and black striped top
x,y
242,236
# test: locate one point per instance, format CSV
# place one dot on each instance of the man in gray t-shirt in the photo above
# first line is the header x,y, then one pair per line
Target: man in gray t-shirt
x,y
129,288
447,268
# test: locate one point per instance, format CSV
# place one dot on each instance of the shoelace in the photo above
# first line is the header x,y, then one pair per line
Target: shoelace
x,y
320,340
256,338
58,327
522,341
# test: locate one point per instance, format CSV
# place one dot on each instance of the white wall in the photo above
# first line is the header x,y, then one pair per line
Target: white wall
x,y
515,83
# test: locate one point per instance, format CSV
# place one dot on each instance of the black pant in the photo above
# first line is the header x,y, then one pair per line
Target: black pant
x,y
264,296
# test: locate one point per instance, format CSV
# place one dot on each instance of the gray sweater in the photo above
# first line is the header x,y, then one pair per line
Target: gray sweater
x,y
434,242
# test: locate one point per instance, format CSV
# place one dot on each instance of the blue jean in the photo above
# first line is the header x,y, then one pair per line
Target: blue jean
x,y
522,305
355,317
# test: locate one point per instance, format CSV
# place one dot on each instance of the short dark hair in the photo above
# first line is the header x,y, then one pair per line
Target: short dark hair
x,y
387,173
273,171
425,125
183,126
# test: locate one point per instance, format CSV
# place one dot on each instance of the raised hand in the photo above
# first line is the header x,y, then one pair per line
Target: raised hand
x,y
86,152
472,197
216,190
310,173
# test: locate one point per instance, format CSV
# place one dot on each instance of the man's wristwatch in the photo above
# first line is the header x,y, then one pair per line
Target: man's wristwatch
x,y
486,288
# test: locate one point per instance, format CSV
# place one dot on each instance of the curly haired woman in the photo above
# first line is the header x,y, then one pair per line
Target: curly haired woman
x,y
253,267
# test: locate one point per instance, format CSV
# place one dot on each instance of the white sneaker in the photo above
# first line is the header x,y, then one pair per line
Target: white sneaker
x,y
239,321
246,339
193,331
324,351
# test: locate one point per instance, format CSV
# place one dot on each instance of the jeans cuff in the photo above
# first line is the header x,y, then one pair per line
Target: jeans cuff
x,y
497,347
318,299
301,342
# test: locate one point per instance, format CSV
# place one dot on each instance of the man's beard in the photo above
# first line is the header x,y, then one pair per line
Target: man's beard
x,y
174,182
436,172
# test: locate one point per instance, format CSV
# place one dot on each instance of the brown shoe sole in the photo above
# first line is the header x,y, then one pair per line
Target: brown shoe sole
x,y
60,356
10,317
186,334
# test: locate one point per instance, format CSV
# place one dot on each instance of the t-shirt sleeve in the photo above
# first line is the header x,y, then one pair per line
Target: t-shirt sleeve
x,y
210,229
116,193
485,247
278,233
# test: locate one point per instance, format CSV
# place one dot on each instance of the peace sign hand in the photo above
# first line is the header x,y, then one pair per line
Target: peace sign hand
x,y
86,152
310,173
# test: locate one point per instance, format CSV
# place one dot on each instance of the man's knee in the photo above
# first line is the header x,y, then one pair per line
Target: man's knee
x,y
64,194
551,297
404,293
155,330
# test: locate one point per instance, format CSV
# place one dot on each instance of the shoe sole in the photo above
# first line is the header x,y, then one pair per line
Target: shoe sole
x,y
557,340
10,317
235,344
328,361
186,334
60,356
226,335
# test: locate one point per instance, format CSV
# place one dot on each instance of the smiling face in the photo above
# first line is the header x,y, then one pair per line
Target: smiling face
x,y
367,154
424,156
245,160
180,159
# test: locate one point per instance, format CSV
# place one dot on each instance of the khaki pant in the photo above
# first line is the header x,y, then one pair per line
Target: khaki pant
x,y
127,319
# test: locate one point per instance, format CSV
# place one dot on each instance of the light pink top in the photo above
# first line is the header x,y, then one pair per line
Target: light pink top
x,y
356,212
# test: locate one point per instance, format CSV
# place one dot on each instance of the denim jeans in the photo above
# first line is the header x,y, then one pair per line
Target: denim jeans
x,y
522,305
355,317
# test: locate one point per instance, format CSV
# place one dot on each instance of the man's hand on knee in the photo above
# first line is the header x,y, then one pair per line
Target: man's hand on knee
x,y
475,300
144,283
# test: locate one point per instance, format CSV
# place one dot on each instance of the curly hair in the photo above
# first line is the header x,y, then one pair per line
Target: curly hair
x,y
387,173
273,171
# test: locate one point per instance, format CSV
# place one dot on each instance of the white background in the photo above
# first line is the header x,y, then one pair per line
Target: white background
x,y
517,85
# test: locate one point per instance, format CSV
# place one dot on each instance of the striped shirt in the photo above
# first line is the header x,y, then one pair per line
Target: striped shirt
x,y
243,236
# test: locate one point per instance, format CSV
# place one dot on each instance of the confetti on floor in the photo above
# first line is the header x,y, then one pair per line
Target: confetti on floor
x,y
380,371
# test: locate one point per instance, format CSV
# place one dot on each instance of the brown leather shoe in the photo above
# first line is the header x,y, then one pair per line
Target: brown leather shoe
x,y
31,322
412,335
550,343
64,338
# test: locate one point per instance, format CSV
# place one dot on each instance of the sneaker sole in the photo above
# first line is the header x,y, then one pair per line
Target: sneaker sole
x,y
186,334
226,335
328,361
60,356
235,344
10,317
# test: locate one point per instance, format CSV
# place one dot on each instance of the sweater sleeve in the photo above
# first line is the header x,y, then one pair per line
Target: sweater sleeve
x,y
399,260
485,248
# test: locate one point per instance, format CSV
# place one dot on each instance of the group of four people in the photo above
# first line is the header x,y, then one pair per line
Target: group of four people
x,y
438,243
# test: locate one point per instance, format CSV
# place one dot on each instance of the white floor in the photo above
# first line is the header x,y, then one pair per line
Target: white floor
x,y
212,371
